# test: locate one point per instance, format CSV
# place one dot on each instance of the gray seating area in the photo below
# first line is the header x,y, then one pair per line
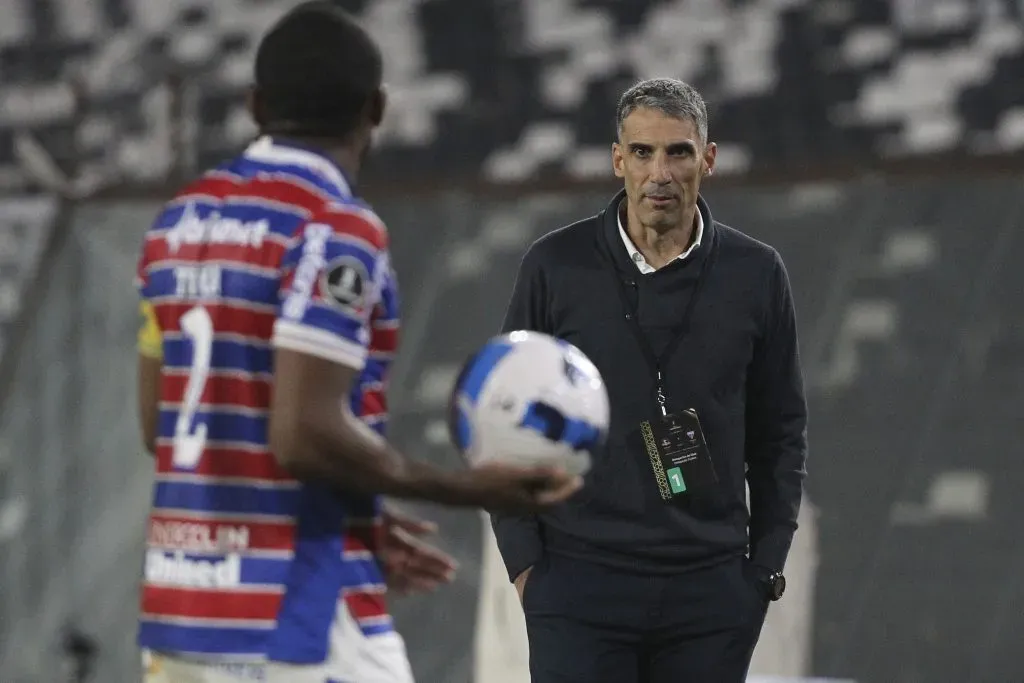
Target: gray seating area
x,y
909,291
918,458
25,225
516,90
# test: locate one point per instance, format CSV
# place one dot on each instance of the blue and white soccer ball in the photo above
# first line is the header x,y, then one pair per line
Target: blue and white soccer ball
x,y
526,398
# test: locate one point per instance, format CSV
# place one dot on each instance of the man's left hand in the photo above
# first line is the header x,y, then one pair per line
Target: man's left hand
x,y
411,564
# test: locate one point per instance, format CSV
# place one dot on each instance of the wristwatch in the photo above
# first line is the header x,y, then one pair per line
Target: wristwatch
x,y
774,583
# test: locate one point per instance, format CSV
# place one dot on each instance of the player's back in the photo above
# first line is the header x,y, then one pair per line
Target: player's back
x,y
234,543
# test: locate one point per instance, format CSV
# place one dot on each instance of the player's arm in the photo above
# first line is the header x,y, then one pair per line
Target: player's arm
x,y
150,348
317,437
318,359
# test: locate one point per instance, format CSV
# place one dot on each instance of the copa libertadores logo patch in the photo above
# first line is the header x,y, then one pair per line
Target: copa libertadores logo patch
x,y
345,282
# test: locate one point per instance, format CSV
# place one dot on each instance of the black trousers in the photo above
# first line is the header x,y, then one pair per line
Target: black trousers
x,y
592,624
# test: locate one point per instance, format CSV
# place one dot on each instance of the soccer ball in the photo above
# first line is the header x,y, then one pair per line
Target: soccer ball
x,y
526,398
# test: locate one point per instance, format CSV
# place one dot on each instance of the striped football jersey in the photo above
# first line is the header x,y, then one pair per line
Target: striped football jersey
x,y
269,250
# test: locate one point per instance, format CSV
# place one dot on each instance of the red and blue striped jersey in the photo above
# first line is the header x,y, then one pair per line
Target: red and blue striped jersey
x,y
269,250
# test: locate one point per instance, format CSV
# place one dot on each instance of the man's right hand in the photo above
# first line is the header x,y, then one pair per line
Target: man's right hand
x,y
499,487
520,582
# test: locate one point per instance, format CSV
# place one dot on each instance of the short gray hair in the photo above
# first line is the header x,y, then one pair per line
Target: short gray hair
x,y
671,97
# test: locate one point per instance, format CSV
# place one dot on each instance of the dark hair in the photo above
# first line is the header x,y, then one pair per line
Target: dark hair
x,y
316,70
671,97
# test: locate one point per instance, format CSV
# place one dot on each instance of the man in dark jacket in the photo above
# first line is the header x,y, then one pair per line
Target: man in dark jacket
x,y
656,572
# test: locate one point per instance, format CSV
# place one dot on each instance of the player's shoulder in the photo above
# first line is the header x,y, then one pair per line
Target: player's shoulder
x,y
211,186
348,220
206,190
231,182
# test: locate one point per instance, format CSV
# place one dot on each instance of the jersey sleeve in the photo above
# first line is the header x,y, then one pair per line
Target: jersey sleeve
x,y
333,277
149,339
142,265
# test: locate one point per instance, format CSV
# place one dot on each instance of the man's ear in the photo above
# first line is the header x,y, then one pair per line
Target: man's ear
x,y
710,155
618,161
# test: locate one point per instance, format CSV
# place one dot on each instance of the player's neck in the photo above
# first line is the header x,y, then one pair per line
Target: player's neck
x,y
343,154
660,245
347,159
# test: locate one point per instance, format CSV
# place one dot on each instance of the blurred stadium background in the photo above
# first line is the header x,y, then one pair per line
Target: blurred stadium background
x,y
876,143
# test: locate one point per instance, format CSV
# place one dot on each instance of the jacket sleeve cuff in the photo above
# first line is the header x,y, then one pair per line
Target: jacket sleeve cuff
x,y
770,551
519,541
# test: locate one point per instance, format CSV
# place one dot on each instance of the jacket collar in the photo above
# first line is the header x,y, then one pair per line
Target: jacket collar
x,y
280,152
609,222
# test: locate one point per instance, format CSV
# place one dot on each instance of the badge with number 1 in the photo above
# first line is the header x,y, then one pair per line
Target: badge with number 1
x,y
679,456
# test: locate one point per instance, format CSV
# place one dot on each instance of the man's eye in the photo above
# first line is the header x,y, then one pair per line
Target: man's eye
x,y
641,153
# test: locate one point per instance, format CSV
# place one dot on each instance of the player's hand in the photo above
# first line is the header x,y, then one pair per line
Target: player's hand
x,y
520,582
411,564
510,488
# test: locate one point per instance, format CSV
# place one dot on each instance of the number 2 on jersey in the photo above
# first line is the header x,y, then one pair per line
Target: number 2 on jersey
x,y
189,439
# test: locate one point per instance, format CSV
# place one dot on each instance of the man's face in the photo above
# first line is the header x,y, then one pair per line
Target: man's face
x,y
662,161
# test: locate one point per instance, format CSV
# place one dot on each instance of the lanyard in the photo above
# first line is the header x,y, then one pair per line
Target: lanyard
x,y
657,362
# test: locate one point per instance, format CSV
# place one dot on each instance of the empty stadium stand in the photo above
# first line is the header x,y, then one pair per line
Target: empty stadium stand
x,y
909,292
25,225
515,90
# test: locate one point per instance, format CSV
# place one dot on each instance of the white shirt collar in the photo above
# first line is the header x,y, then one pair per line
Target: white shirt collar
x,y
266,150
636,257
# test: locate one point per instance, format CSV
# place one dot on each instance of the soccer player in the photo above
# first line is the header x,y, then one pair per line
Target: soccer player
x,y
270,320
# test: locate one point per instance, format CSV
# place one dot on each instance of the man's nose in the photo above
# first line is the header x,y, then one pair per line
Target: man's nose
x,y
660,170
